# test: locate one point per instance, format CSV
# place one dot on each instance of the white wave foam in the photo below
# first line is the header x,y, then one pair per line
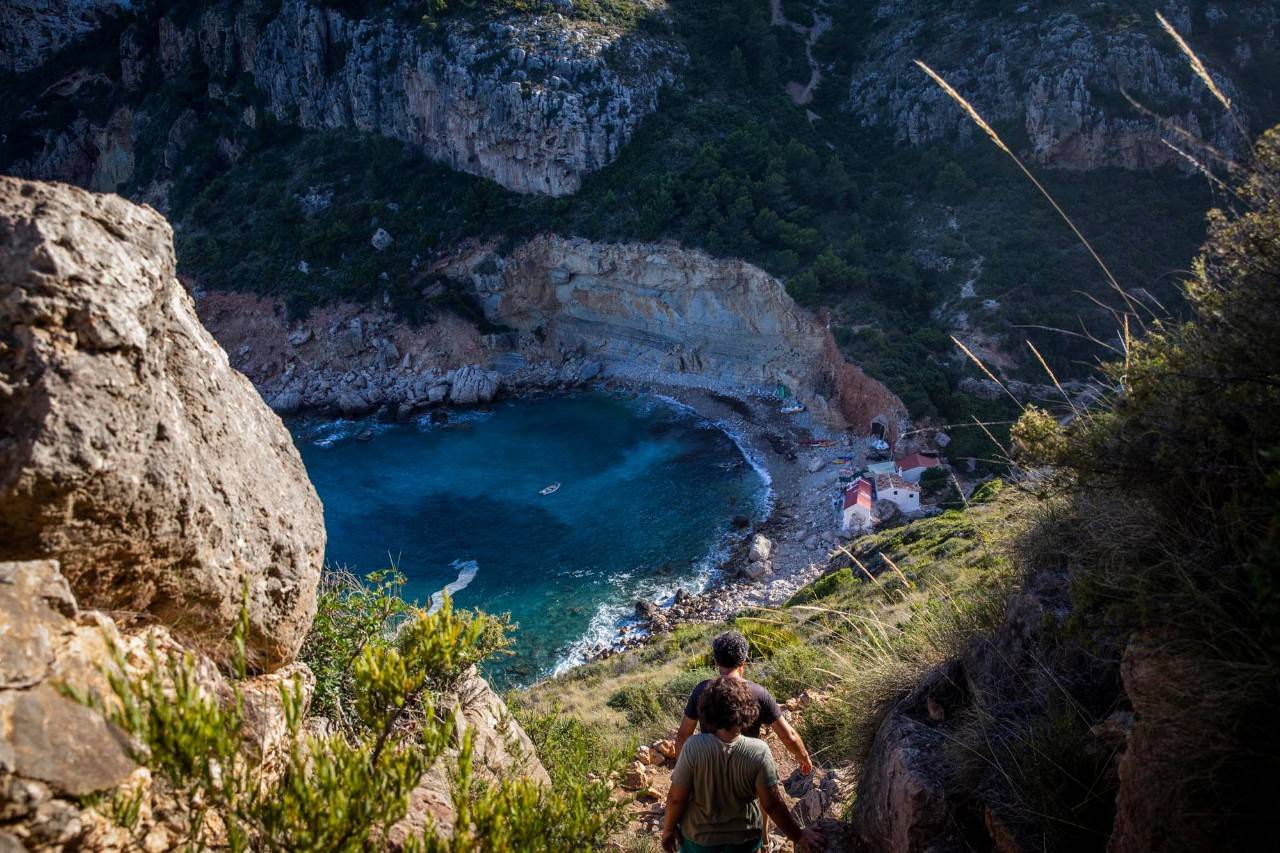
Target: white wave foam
x,y
329,433
467,571
602,630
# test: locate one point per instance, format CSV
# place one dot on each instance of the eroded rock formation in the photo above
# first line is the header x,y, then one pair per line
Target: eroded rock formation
x,y
648,313
533,101
130,451
1058,76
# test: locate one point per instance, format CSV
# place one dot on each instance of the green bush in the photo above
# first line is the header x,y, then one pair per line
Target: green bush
x,y
569,747
639,702
341,791
354,615
822,587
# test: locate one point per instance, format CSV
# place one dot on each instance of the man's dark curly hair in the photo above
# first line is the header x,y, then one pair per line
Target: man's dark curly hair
x,y
729,650
727,703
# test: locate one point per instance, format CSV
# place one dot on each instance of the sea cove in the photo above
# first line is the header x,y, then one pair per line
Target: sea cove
x,y
458,505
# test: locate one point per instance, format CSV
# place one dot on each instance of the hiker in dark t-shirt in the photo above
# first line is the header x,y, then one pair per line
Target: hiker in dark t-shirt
x,y
770,711
729,650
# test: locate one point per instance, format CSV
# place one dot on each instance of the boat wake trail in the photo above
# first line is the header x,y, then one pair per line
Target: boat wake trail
x,y
467,570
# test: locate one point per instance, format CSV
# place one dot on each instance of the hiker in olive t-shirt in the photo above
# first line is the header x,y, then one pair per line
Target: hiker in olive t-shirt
x,y
729,650
720,775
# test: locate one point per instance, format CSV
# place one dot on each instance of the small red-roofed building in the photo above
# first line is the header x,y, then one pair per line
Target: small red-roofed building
x,y
859,498
891,487
913,466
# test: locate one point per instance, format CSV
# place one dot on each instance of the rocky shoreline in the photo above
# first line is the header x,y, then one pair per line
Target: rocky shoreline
x,y
800,528
799,533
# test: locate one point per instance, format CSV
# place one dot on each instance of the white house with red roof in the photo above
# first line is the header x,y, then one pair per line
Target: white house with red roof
x,y
913,466
859,498
893,488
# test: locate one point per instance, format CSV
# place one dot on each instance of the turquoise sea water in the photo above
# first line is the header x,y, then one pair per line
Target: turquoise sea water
x,y
648,494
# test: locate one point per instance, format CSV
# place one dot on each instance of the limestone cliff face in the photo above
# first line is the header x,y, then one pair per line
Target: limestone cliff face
x,y
657,310
650,313
534,101
33,30
647,309
1058,76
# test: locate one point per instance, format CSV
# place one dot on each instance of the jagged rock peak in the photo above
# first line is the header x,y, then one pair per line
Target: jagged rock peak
x,y
1055,75
130,451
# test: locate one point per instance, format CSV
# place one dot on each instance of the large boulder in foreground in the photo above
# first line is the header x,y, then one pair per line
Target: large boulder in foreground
x,y
130,451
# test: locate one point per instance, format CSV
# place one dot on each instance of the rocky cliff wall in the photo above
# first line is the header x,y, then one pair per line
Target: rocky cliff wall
x,y
655,314
33,30
1057,74
532,101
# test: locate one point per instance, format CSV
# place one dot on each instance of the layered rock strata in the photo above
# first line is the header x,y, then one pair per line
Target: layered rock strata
x,y
1059,77
653,314
533,102
130,451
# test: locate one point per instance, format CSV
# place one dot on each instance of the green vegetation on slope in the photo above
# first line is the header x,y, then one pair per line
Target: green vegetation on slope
x,y
865,641
384,672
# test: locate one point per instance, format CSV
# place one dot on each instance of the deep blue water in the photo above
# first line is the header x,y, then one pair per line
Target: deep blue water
x,y
648,494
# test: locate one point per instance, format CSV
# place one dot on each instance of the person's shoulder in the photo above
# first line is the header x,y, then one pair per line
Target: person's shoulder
x,y
700,686
757,748
701,742
763,695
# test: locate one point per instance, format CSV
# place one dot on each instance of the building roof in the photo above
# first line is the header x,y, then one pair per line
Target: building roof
x,y
885,482
917,460
859,494
876,468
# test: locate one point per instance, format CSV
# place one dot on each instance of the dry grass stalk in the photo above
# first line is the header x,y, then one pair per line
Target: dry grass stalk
x,y
1196,65
894,566
858,563
1008,460
984,369
976,117
1056,383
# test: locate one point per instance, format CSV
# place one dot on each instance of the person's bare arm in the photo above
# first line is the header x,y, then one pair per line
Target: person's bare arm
x,y
677,800
687,728
773,805
791,740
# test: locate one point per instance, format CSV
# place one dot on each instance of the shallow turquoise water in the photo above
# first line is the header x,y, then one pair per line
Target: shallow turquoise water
x,y
648,494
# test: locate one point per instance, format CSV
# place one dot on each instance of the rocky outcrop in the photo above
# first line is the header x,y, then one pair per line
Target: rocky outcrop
x,y
950,766
56,753
33,30
53,750
1058,76
653,314
130,451
662,313
501,750
532,101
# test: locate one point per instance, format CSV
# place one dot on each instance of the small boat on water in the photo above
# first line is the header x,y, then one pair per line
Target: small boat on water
x,y
819,442
549,489
793,407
